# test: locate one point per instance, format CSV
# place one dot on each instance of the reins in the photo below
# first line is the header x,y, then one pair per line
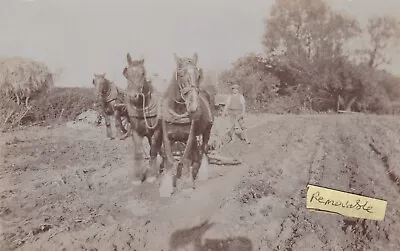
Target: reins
x,y
140,93
144,113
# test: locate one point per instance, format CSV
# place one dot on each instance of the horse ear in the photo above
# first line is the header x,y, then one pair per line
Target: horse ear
x,y
103,75
195,58
141,61
124,71
201,75
129,58
177,59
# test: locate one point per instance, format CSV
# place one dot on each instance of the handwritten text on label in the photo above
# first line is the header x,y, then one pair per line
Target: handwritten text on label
x,y
347,204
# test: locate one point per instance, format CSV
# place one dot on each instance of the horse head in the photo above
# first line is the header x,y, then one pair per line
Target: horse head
x,y
188,78
138,85
101,86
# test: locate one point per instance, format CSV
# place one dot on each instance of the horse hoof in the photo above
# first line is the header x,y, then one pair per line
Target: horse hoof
x,y
151,179
166,188
185,184
165,194
203,171
136,182
123,136
187,190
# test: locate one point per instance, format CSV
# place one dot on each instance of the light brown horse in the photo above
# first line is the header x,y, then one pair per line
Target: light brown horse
x,y
107,97
142,104
186,114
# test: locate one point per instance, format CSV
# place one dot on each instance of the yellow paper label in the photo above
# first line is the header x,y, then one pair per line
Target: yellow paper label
x,y
346,204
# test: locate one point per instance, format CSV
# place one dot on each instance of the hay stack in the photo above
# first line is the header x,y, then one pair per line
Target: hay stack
x,y
24,78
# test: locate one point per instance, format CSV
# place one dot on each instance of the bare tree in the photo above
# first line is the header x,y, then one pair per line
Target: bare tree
x,y
383,35
307,30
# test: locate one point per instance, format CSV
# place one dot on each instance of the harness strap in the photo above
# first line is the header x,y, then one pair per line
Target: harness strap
x,y
109,100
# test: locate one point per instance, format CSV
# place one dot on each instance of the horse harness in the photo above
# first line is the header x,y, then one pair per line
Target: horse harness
x,y
146,111
111,94
184,89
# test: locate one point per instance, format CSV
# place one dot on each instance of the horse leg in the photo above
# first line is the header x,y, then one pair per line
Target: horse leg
x,y
127,131
118,125
185,169
155,147
179,181
18,100
27,102
163,158
108,126
118,115
205,140
196,161
99,118
204,161
138,165
167,182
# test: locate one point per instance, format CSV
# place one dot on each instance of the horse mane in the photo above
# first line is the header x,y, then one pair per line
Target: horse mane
x,y
150,86
172,90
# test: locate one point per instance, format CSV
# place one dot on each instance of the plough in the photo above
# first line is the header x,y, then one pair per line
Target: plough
x,y
213,156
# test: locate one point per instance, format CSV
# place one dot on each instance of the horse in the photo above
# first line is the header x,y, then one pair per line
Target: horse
x,y
186,114
108,96
142,104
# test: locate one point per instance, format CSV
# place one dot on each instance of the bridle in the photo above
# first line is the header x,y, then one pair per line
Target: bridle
x,y
184,89
144,108
140,93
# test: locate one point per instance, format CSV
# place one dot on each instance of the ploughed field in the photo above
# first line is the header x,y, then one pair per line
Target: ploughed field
x,y
68,188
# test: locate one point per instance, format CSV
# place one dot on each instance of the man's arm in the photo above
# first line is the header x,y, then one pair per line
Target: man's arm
x,y
227,104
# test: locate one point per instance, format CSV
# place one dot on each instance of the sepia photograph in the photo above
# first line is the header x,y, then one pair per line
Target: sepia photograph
x,y
214,125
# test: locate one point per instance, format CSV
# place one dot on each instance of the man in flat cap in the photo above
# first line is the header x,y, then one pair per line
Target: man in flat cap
x,y
235,106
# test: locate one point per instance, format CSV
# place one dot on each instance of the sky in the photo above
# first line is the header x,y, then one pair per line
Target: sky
x,y
83,37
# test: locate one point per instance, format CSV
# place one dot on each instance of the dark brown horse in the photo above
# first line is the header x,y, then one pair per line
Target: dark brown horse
x,y
108,96
186,114
142,103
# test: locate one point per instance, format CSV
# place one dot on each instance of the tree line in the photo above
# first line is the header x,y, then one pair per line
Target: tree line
x,y
312,61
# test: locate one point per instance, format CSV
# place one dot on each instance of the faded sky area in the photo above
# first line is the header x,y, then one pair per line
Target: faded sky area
x,y
93,36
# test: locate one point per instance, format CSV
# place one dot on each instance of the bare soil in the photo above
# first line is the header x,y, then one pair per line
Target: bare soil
x,y
68,188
